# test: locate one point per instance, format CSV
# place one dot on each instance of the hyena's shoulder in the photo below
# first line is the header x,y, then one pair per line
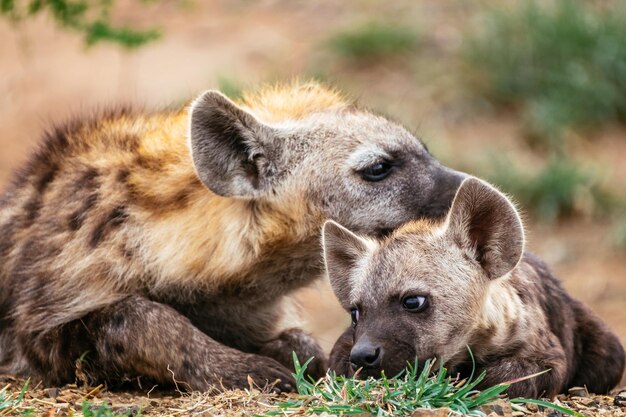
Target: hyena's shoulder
x,y
71,220
536,284
594,355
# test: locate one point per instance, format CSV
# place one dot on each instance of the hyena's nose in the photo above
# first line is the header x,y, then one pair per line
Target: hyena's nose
x,y
365,355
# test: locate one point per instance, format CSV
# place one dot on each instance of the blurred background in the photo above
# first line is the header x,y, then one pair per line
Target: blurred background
x,y
530,95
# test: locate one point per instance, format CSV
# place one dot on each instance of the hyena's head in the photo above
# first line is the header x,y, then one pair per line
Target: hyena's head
x,y
349,165
420,292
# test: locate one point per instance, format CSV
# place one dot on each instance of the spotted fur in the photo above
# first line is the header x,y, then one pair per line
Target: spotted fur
x,y
482,292
167,241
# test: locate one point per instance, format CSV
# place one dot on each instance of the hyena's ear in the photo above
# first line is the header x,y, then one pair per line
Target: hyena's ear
x,y
342,252
231,149
483,221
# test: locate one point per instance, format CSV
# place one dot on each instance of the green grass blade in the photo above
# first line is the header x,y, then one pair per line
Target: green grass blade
x,y
547,404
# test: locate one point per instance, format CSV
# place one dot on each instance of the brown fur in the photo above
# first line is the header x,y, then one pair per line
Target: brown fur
x,y
167,241
511,311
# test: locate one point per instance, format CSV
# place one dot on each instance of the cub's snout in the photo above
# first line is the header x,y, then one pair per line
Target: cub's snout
x,y
366,355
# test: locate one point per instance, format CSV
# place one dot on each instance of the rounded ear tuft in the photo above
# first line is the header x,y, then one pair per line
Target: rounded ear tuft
x,y
342,252
484,221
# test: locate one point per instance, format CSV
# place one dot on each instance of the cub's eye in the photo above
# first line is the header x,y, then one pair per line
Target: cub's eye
x,y
415,303
354,312
376,172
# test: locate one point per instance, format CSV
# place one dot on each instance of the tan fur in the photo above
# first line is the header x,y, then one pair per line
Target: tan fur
x,y
293,101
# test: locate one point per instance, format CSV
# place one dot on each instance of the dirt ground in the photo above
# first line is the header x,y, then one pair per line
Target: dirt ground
x,y
70,400
47,75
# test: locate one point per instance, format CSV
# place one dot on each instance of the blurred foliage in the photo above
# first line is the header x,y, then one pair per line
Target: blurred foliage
x,y
89,17
103,409
562,63
372,40
230,86
620,231
559,189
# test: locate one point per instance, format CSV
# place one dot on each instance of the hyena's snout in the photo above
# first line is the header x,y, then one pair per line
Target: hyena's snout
x,y
367,356
373,356
447,182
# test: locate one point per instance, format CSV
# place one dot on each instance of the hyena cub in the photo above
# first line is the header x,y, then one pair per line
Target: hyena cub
x,y
433,288
164,243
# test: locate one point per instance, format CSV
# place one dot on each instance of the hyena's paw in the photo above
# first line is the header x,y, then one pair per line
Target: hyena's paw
x,y
339,360
263,371
297,340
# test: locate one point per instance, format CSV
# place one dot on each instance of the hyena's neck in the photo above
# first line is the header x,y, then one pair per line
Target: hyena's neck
x,y
190,237
503,319
216,241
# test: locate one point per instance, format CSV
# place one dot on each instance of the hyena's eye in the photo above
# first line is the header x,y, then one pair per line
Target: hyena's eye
x,y
415,303
376,172
354,312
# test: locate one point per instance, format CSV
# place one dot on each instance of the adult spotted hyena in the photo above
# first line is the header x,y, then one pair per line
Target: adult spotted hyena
x,y
433,288
164,243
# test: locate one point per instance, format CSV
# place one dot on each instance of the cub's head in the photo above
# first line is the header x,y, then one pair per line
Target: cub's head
x,y
419,293
308,144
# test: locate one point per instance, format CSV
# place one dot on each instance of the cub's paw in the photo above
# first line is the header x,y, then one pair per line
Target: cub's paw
x,y
340,354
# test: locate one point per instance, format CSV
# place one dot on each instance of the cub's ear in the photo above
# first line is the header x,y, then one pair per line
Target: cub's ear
x,y
342,252
483,221
231,149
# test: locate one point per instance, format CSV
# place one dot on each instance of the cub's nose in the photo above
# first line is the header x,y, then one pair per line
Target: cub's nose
x,y
366,356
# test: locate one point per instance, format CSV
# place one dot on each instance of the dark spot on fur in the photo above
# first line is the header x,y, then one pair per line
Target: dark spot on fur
x,y
34,203
118,348
523,295
118,320
127,252
128,142
86,180
77,218
122,175
513,329
114,219
31,209
47,178
149,163
182,198
167,202
34,252
187,367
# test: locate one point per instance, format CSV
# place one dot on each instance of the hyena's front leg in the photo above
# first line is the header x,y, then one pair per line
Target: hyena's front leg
x,y
339,360
511,367
305,347
141,338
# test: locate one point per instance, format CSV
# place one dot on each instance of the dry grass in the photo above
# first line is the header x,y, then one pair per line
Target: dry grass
x,y
72,400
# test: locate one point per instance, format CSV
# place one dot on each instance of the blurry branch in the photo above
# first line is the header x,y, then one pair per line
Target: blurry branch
x,y
89,17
